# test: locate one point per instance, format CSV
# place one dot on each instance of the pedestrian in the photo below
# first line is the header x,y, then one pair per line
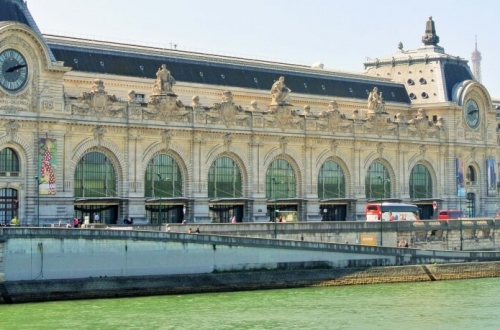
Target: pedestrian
x,y
190,231
75,222
197,230
167,228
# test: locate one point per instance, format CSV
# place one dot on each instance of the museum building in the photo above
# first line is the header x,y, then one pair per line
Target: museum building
x,y
104,131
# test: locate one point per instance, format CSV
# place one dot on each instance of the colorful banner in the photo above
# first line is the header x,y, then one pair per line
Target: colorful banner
x,y
492,178
47,160
459,162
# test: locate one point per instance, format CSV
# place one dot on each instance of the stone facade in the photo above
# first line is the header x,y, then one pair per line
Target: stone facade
x,y
131,120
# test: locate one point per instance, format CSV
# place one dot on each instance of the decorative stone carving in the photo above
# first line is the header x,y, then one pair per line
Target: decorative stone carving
x,y
280,92
227,112
97,102
423,150
306,111
283,141
195,102
380,148
254,106
166,138
333,106
283,117
228,140
420,126
334,144
99,132
131,97
430,38
164,81
166,108
379,124
11,128
332,120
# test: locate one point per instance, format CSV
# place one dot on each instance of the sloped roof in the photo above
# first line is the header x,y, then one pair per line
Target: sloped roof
x,y
137,61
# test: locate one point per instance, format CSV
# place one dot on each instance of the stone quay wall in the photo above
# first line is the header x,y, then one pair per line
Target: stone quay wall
x,y
478,234
60,263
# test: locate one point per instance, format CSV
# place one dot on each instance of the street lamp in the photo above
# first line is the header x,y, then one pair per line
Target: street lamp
x,y
37,201
160,212
459,194
273,188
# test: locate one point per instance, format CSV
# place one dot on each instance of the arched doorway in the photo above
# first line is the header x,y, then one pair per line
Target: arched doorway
x,y
163,191
281,191
95,189
377,182
331,192
421,191
225,191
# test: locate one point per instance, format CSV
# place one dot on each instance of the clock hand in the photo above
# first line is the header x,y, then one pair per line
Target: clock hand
x,y
15,67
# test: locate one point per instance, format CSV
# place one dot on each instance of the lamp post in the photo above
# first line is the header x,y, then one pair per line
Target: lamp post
x,y
459,194
159,213
160,196
273,187
37,201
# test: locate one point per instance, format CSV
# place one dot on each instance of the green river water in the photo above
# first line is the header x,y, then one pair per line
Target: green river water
x,y
461,304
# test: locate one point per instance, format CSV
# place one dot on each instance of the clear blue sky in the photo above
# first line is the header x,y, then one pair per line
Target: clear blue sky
x,y
340,34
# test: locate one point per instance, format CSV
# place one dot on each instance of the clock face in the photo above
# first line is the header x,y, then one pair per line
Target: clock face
x,y
471,113
13,70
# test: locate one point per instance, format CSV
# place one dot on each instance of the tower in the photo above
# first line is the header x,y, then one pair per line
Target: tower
x,y
476,63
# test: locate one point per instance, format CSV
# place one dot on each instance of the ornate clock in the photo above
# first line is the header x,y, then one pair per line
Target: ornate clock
x,y
13,70
471,114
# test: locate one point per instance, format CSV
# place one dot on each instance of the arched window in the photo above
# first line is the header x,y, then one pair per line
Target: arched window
x,y
9,162
163,178
331,181
377,182
420,182
224,179
280,180
95,176
471,175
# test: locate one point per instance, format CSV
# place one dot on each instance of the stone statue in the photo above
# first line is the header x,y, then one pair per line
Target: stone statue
x,y
374,99
131,96
164,80
279,91
195,101
254,106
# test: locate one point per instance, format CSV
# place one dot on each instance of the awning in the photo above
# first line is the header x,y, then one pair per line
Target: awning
x,y
385,200
99,200
286,200
426,200
167,201
238,200
337,200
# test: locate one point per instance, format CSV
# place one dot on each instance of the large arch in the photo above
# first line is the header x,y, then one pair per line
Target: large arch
x,y
177,153
430,167
238,156
107,148
339,159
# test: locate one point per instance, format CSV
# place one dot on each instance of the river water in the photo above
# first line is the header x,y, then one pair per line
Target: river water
x,y
461,304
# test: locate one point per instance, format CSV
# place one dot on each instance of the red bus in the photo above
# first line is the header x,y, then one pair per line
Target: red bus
x,y
391,212
450,214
